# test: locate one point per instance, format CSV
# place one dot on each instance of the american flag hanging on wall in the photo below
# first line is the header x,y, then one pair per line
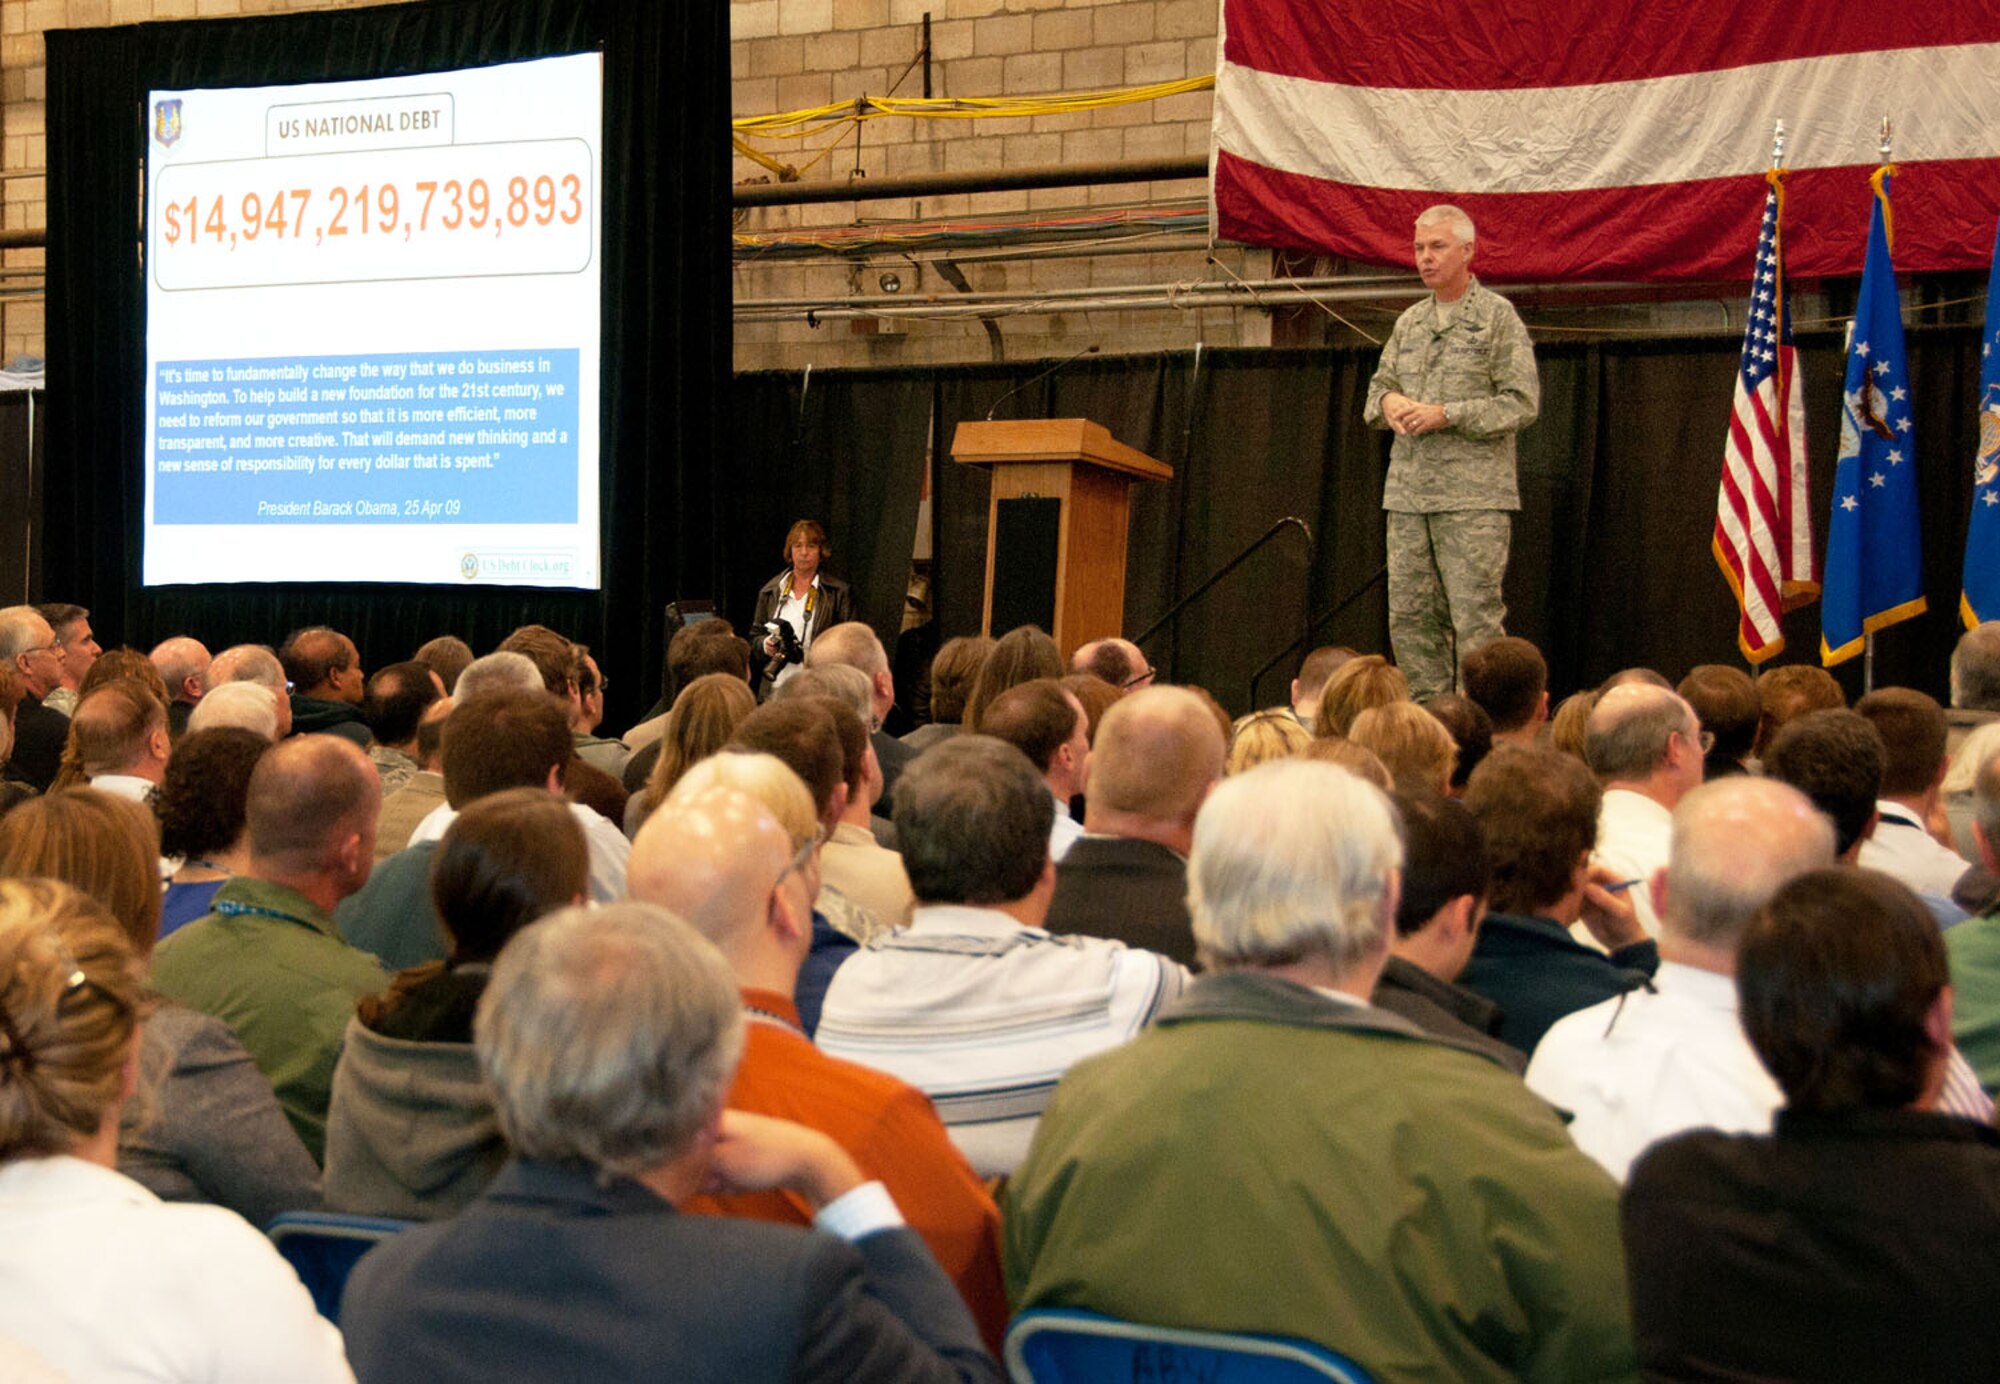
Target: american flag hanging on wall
x,y
1608,141
1763,529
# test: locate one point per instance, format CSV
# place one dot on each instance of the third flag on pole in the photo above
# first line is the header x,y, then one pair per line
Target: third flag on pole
x,y
1980,599
1874,560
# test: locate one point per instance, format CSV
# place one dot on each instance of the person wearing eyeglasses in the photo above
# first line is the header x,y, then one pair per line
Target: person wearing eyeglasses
x,y
1118,661
29,647
98,1276
718,857
1647,748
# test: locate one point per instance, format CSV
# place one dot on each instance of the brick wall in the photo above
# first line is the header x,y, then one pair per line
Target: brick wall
x,y
788,54
23,94
791,54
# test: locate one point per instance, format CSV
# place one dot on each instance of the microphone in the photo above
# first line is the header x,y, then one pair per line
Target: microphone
x,y
1064,363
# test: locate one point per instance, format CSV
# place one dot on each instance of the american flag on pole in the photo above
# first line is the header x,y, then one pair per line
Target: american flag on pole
x,y
1763,533
1595,140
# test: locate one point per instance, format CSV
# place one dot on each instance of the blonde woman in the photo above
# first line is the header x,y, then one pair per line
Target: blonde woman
x,y
98,1275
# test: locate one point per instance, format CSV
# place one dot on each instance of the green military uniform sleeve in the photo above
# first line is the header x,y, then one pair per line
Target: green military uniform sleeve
x,y
1515,399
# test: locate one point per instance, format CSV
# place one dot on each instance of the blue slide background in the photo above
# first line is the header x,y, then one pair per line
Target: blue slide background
x,y
525,481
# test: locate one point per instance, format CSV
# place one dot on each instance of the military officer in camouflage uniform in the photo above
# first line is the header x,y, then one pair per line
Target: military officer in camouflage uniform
x,y
1456,382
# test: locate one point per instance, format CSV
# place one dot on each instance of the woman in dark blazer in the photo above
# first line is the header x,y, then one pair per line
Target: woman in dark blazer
x,y
805,597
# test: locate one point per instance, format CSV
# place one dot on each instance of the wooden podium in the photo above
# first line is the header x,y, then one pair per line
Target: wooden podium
x,y
1055,527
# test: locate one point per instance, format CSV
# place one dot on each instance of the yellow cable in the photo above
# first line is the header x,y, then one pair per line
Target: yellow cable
x,y
799,123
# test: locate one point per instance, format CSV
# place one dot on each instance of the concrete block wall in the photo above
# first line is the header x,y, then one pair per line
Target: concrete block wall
x,y
23,113
792,54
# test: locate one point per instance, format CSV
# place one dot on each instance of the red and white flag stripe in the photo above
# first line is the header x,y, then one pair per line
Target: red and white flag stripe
x,y
1593,140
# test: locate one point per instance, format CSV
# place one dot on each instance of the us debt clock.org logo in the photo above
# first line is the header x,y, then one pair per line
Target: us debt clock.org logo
x,y
167,121
468,566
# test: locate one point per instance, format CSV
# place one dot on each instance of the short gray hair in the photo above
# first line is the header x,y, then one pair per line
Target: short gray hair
x,y
854,643
1628,730
499,672
21,630
1444,213
1293,859
248,706
841,681
1986,804
244,663
1975,668
1736,842
608,1036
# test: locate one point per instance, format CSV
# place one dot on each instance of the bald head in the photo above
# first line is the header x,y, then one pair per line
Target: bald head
x,y
121,729
181,661
1735,843
712,857
1158,753
1117,661
311,810
1632,732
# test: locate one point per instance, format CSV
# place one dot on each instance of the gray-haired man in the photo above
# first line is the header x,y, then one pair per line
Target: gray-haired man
x,y
1457,380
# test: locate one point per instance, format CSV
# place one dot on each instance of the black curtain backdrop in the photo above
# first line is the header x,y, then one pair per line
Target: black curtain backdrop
x,y
1611,563
850,456
666,325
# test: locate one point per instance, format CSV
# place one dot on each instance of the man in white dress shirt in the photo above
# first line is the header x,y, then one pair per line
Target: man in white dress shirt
x,y
122,741
1913,732
1672,1056
1645,745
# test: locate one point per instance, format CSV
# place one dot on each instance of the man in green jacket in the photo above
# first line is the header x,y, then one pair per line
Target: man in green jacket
x,y
268,960
1278,1156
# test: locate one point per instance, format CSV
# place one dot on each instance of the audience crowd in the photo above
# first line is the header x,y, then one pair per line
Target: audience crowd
x,y
1647,1031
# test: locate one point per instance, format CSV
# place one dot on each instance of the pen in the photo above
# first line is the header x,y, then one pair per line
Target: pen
x,y
1621,886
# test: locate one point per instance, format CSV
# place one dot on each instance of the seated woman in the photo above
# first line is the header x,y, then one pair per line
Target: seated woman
x,y
97,1275
1856,1241
207,1127
703,718
200,808
411,1131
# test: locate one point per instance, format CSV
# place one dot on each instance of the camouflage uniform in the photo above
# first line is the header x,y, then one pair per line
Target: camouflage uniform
x,y
1449,492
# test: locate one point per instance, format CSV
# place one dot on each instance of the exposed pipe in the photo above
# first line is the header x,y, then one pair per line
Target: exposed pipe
x,y
1376,282
985,180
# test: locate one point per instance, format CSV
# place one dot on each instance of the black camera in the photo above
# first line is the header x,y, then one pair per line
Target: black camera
x,y
789,649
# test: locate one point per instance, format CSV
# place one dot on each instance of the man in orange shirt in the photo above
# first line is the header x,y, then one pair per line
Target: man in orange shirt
x,y
722,861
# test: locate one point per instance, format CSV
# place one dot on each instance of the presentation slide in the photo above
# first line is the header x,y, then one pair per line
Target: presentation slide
x,y
372,329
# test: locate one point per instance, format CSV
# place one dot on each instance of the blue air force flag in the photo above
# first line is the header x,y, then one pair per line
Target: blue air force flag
x,y
1980,599
1874,561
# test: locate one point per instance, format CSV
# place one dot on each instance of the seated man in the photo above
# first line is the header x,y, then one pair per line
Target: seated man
x,y
29,647
1855,1242
1646,747
181,660
1419,1210
267,960
974,1003
121,741
710,857
1672,1056
1045,721
1913,730
252,663
78,648
1446,880
324,669
1158,753
609,1039
1538,812
855,645
1509,679
399,699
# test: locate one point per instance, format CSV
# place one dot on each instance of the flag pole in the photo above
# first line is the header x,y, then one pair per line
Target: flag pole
x,y
1884,146
1777,166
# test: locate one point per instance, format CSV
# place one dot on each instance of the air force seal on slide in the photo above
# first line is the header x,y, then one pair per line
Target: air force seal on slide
x,y
468,566
167,121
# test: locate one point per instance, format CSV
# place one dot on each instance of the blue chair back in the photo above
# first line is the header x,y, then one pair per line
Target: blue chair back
x,y
323,1247
1064,1346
